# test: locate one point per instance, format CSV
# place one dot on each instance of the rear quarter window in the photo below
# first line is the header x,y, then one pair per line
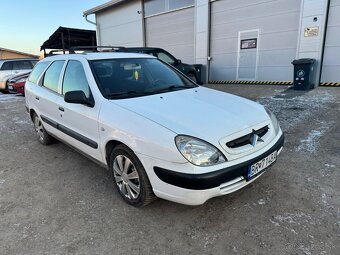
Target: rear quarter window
x,y
7,66
22,65
37,71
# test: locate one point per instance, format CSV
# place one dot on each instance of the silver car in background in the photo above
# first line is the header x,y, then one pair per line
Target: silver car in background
x,y
12,67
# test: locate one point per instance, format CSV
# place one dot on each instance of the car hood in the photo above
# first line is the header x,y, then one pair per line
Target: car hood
x,y
20,76
200,112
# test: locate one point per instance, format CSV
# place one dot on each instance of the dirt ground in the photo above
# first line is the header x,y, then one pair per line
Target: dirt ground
x,y
55,201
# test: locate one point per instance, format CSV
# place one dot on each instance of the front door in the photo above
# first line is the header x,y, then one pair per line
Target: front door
x,y
79,122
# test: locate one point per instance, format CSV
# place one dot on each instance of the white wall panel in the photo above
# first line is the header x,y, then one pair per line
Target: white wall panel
x,y
331,62
121,25
173,31
278,22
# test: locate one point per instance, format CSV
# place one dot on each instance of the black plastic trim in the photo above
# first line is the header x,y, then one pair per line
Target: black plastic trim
x,y
70,132
212,179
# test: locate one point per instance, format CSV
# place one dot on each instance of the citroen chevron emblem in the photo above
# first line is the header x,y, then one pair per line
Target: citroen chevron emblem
x,y
255,138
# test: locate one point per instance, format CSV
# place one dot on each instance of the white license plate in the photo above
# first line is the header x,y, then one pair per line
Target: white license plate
x,y
261,165
10,87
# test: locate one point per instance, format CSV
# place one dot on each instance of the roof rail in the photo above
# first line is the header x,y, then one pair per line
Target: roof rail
x,y
52,53
73,50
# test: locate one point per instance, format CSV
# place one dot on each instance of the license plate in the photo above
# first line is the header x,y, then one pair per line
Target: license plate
x,y
10,87
261,165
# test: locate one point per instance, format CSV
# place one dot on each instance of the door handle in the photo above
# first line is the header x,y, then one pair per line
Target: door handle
x,y
61,109
36,97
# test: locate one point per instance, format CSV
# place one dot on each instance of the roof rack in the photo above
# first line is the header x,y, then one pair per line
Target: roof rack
x,y
95,48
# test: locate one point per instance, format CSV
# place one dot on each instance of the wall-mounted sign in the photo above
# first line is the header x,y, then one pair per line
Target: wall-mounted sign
x,y
249,44
311,31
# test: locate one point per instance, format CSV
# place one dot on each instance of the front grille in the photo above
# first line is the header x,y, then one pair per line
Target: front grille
x,y
248,139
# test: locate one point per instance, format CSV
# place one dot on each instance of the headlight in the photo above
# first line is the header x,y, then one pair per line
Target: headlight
x,y
274,121
198,152
22,80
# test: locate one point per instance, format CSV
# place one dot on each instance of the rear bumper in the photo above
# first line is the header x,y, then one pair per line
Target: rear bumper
x,y
212,179
3,85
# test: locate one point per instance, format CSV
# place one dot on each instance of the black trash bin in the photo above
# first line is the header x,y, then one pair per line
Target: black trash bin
x,y
304,73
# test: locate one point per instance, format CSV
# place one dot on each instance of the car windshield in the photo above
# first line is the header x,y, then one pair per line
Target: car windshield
x,y
125,78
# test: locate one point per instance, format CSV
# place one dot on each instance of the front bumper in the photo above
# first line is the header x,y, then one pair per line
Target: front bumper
x,y
212,179
196,189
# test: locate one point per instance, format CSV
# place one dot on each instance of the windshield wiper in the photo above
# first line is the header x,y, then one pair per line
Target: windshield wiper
x,y
128,93
171,88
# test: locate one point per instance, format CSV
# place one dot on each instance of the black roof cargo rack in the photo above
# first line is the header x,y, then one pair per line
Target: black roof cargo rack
x,y
65,37
96,49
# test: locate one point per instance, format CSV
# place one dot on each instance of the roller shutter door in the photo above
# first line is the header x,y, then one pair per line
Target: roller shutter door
x,y
273,23
174,32
331,61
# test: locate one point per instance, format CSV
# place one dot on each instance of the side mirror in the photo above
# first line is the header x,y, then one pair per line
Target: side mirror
x,y
78,97
178,62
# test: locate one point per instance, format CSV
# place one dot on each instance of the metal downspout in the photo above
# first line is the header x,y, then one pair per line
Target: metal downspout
x,y
97,29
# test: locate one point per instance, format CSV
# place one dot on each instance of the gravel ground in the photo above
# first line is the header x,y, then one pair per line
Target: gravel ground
x,y
55,201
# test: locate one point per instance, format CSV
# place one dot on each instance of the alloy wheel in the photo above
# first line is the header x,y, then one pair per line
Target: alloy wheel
x,y
126,177
39,128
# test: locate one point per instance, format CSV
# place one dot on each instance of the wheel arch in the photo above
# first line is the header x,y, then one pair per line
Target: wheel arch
x,y
109,146
32,112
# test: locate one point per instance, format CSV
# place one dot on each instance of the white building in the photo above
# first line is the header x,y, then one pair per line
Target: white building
x,y
252,40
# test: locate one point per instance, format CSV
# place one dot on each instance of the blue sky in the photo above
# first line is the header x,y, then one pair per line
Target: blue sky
x,y
26,24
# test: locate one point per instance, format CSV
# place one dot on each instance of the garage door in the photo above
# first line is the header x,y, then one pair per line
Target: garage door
x,y
173,31
121,26
331,62
253,39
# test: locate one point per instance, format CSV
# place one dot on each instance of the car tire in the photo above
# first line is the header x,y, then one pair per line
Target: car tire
x,y
43,137
129,177
192,76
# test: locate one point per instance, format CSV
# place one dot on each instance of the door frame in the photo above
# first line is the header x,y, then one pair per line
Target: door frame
x,y
257,53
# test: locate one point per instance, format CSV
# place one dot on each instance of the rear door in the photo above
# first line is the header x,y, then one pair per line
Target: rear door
x,y
79,122
47,97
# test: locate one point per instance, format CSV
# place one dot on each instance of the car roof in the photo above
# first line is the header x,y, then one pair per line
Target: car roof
x,y
145,49
97,56
17,59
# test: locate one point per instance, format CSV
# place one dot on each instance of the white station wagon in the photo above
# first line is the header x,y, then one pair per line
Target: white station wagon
x,y
158,133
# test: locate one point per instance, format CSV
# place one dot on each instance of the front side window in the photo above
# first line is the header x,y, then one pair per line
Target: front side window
x,y
51,77
166,58
75,78
123,78
37,71
7,66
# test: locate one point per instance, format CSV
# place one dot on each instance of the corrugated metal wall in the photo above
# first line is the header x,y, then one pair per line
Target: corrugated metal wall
x,y
331,63
278,22
173,31
122,25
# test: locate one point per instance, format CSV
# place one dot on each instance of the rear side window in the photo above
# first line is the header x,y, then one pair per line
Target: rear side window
x,y
37,71
51,77
34,62
7,66
75,78
22,65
